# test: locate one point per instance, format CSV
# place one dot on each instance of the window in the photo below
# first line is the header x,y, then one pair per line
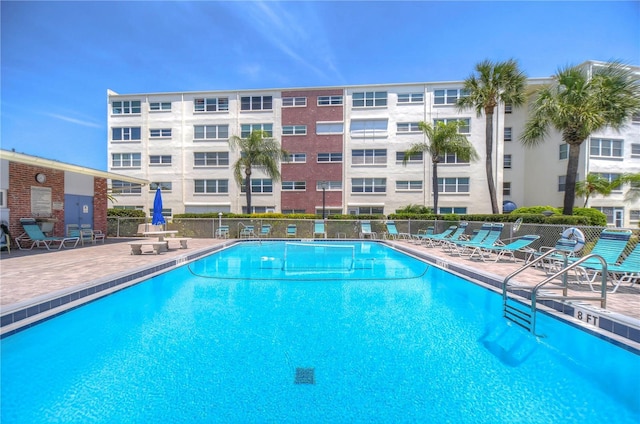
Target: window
x,y
159,106
456,210
125,134
330,157
506,188
126,160
166,212
366,210
614,215
408,185
453,185
3,198
408,127
129,208
160,159
635,150
211,159
448,96
329,128
451,158
256,103
331,185
211,186
211,132
369,128
508,108
294,130
259,209
247,129
562,182
634,215
464,128
369,156
369,99
635,118
507,134
506,161
415,158
564,151
291,211
294,186
297,158
162,185
330,100
125,107
124,187
294,101
260,185
611,178
213,104
160,133
605,148
368,185
410,97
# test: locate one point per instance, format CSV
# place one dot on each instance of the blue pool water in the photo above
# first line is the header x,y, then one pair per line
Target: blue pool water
x,y
371,335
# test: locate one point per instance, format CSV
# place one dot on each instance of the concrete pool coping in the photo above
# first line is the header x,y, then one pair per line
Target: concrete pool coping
x,y
36,285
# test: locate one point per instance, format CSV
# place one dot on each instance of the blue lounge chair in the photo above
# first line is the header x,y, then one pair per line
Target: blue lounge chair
x,y
432,241
265,230
456,246
417,238
365,230
609,246
492,239
628,270
247,231
5,239
292,230
34,235
392,232
519,245
318,228
564,247
222,231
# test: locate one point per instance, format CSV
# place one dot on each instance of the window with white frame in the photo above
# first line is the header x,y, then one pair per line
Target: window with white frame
x,y
605,148
160,133
211,186
247,129
367,210
508,108
294,130
326,128
159,106
564,151
611,177
614,215
330,100
162,185
294,186
635,150
368,185
369,99
129,208
166,212
453,185
260,185
125,107
292,211
562,182
331,185
259,209
465,125
256,103
160,160
126,160
297,158
410,98
294,101
210,159
456,209
411,185
210,132
211,104
126,134
635,118
634,214
449,158
448,96
330,157
404,127
506,161
415,158
3,198
369,156
370,128
506,188
508,134
125,187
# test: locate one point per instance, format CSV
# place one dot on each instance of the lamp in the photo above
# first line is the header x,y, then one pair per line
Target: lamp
x,y
324,185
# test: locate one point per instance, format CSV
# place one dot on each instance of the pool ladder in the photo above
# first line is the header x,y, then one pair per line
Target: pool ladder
x,y
515,295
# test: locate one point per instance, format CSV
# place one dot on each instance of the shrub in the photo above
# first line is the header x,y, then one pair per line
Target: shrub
x,y
594,216
537,209
128,213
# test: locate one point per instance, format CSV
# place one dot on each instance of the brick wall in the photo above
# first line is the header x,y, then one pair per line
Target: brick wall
x,y
100,204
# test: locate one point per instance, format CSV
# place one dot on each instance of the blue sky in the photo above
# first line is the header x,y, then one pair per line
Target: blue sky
x,y
59,58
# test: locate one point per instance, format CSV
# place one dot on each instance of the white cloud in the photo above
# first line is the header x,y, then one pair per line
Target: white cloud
x,y
74,120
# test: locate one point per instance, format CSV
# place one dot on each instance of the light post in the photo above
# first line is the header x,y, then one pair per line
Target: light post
x,y
324,185
219,221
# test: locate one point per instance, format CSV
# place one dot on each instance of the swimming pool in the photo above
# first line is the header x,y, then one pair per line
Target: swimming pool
x,y
253,335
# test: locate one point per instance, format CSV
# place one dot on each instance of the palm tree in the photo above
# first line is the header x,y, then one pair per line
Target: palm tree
x,y
492,84
443,138
580,102
258,149
633,194
594,184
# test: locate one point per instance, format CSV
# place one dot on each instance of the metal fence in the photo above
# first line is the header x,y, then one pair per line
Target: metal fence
x,y
206,228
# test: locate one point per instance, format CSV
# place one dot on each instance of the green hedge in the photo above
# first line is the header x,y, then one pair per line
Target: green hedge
x,y
127,213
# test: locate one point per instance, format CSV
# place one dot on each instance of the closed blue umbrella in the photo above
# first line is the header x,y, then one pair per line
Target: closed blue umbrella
x,y
157,218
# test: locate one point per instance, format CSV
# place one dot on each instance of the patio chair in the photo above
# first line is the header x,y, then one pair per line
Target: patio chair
x,y
265,230
392,232
222,231
519,245
34,235
627,271
365,230
96,235
565,247
292,230
610,246
73,230
492,239
432,241
247,231
318,228
417,238
5,238
439,236
452,245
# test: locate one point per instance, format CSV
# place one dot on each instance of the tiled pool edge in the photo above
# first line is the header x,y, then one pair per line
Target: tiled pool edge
x,y
615,325
19,316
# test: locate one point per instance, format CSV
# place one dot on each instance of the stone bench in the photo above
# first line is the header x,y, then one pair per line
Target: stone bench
x,y
158,246
183,241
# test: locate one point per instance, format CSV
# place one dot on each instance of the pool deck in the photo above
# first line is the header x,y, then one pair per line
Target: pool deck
x,y
27,277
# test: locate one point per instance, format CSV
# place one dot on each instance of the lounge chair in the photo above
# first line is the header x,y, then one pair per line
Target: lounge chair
x,y
439,236
318,228
417,238
73,230
492,239
365,230
96,235
627,271
609,246
265,230
222,231
292,230
5,239
552,263
519,245
34,235
453,245
432,241
392,232
247,231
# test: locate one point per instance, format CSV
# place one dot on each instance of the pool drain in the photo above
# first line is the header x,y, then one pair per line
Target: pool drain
x,y
305,376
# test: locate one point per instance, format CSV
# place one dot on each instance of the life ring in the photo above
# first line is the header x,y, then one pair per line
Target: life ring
x,y
517,224
574,234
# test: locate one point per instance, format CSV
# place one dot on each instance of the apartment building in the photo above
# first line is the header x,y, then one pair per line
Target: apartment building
x,y
346,147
